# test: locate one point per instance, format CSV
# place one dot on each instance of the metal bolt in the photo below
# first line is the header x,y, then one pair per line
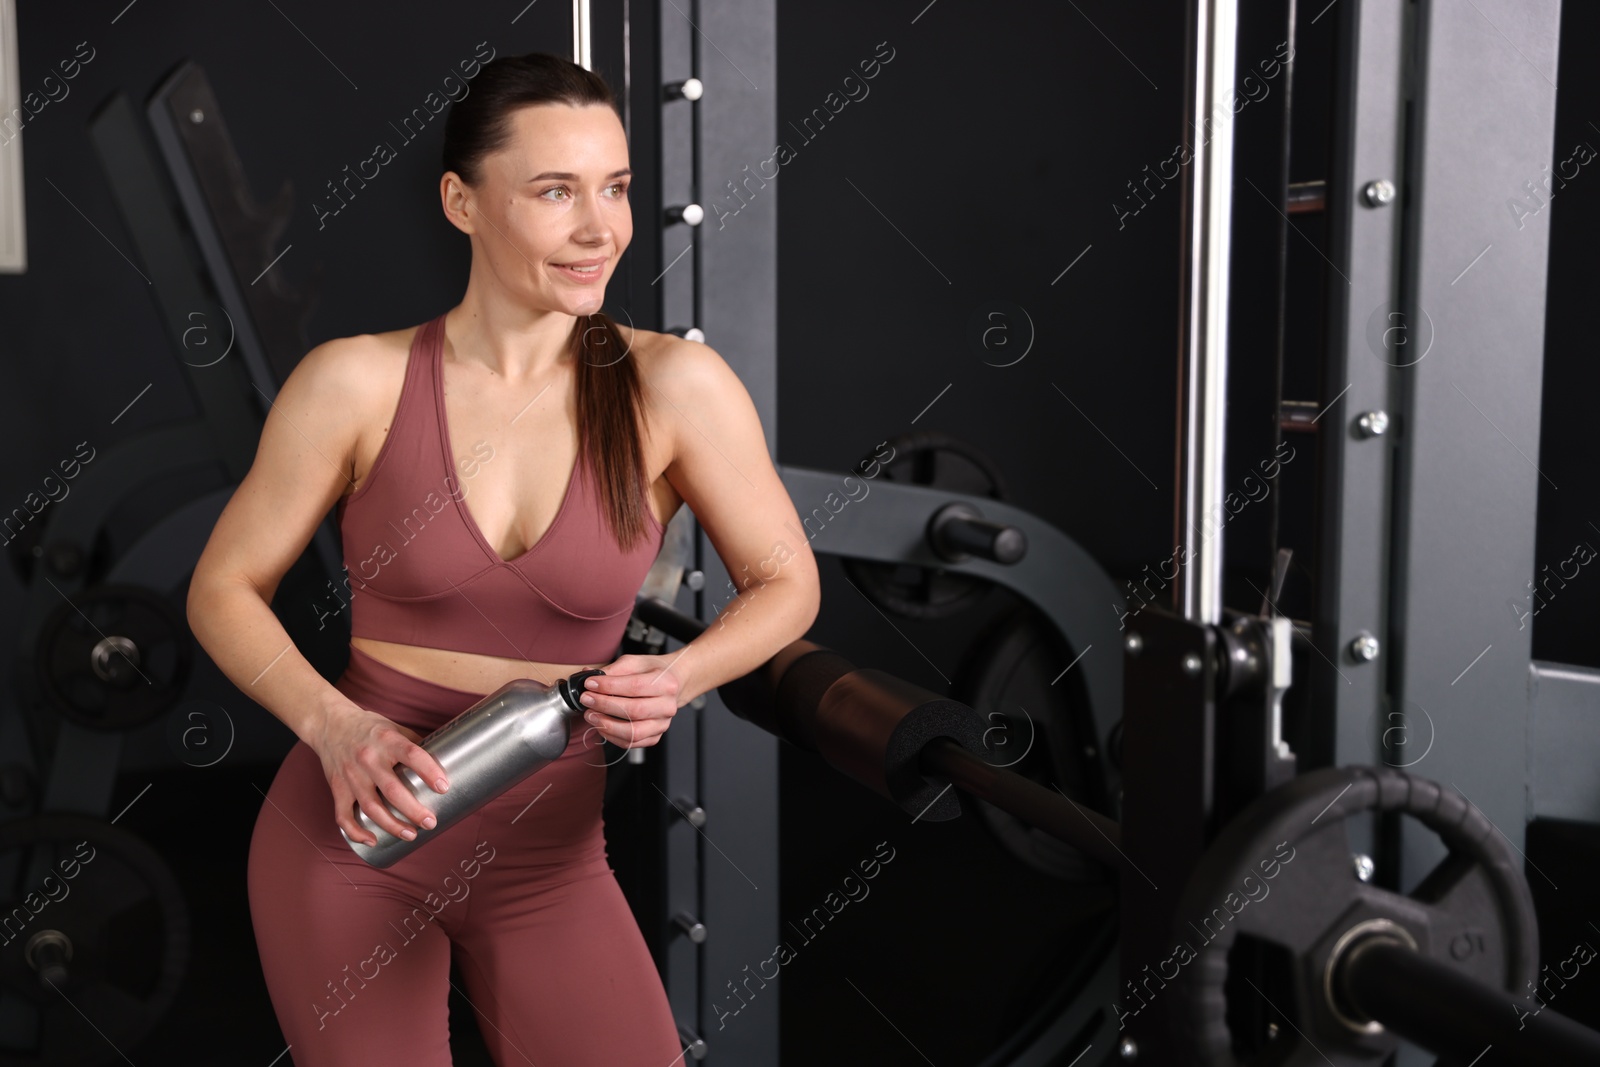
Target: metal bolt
x,y
1134,644
693,928
1272,1031
1191,664
1378,193
1373,423
1364,867
695,1043
197,116
697,703
688,89
112,657
695,580
689,214
1364,647
1128,1049
692,813
47,953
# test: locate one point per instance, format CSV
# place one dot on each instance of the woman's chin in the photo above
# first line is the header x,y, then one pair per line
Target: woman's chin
x,y
587,303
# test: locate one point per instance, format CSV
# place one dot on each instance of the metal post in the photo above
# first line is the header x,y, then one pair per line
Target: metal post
x,y
1203,372
13,231
580,34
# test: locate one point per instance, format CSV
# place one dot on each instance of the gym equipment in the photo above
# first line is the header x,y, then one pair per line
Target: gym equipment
x,y
1038,725
891,736
93,924
114,657
268,317
140,512
510,734
1384,979
920,592
1055,577
1468,926
1472,915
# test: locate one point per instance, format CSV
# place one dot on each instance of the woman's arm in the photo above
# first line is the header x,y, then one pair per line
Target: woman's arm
x,y
721,469
303,464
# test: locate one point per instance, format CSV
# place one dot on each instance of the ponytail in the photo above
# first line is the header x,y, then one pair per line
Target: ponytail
x,y
610,396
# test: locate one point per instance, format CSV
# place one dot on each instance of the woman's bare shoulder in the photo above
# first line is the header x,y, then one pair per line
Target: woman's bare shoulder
x,y
361,369
657,353
641,342
670,362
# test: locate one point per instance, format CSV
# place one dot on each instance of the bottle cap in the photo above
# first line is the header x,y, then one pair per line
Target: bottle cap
x,y
571,687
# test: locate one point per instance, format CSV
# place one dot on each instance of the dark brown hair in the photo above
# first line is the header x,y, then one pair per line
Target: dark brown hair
x,y
609,392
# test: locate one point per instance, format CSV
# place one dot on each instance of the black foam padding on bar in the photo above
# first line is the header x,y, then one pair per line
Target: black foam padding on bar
x,y
913,790
800,690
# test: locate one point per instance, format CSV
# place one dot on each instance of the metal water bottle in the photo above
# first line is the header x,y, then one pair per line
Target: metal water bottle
x,y
502,739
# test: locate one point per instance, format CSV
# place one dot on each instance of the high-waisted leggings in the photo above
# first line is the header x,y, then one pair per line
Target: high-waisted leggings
x,y
357,960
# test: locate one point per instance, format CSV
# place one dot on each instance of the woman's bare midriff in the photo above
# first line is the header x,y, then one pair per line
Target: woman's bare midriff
x,y
467,671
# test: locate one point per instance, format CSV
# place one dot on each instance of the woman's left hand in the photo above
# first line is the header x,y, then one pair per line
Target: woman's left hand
x,y
633,703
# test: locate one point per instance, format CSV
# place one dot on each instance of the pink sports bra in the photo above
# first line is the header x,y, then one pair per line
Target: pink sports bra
x,y
422,573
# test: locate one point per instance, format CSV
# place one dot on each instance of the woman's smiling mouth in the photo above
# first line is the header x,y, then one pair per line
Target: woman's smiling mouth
x,y
582,270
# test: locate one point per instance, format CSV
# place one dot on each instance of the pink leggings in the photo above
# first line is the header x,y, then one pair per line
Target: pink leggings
x,y
357,960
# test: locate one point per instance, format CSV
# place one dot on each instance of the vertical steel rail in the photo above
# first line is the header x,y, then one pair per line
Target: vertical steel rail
x,y
581,34
1203,369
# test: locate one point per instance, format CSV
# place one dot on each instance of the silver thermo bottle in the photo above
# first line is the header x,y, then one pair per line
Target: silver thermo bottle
x,y
487,749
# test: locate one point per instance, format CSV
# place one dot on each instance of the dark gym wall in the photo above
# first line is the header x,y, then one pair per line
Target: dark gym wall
x,y
1564,601
983,160
976,166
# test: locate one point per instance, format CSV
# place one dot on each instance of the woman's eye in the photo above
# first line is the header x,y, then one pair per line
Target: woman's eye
x,y
617,190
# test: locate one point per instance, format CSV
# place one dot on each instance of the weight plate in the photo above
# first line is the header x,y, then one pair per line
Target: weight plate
x,y
1282,874
122,926
930,458
1035,728
114,657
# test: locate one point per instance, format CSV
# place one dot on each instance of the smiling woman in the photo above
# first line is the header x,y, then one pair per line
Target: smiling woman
x,y
536,578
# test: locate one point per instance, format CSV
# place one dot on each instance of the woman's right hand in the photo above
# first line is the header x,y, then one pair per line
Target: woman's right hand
x,y
359,750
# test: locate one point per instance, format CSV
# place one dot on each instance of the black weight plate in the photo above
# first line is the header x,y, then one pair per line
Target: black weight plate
x,y
1281,873
1038,724
92,677
117,903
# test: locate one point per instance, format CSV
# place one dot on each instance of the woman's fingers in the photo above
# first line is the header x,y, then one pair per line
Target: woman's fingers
x,y
652,683
369,804
362,755
645,706
425,766
630,733
411,754
384,780
344,814
397,791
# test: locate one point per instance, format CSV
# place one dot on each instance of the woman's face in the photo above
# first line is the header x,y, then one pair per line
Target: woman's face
x,y
553,202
